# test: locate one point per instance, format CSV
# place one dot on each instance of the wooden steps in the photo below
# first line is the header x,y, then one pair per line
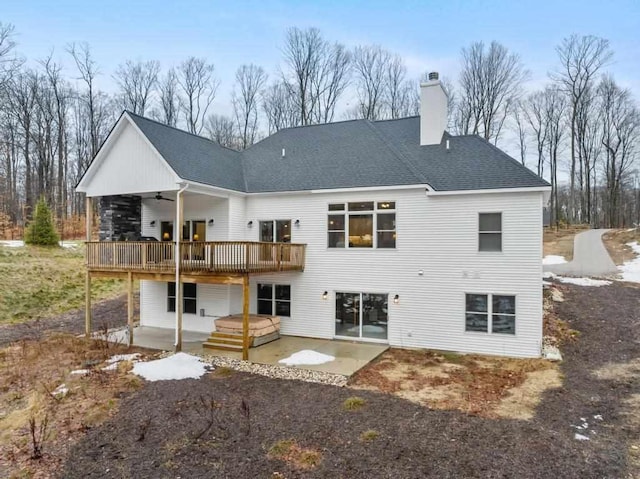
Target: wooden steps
x,y
225,342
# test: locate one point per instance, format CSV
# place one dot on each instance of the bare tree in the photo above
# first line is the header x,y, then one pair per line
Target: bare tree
x,y
169,98
620,138
581,58
535,113
490,85
555,109
137,80
9,62
61,93
88,70
519,118
199,87
315,73
279,107
371,71
250,80
222,130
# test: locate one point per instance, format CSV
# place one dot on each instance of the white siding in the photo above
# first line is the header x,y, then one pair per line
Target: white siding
x,y
129,166
436,235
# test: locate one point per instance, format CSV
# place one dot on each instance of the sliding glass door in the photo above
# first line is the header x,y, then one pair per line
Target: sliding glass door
x,y
362,315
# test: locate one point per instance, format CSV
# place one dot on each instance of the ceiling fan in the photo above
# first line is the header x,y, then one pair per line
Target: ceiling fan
x,y
160,197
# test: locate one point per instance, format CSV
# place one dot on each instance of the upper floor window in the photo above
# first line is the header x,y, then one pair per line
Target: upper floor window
x,y
490,232
365,224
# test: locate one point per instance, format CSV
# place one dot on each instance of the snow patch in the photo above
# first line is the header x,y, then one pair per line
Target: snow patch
x,y
580,437
630,270
175,367
61,391
12,243
123,357
80,372
584,281
306,357
553,259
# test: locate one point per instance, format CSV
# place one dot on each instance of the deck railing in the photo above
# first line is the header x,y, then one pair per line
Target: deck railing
x,y
195,257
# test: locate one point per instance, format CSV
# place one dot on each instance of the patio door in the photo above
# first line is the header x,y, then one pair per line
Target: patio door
x,y
362,315
274,231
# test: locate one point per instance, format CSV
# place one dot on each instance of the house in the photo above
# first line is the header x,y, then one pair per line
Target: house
x,y
387,231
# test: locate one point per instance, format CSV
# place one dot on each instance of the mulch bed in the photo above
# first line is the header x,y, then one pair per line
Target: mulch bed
x,y
225,425
110,313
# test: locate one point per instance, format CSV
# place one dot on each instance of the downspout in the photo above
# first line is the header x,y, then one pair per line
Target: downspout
x,y
178,260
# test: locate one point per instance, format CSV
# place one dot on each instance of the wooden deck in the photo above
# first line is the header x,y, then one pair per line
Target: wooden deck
x,y
232,258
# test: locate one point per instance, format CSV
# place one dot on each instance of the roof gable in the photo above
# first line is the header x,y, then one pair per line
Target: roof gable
x,y
127,163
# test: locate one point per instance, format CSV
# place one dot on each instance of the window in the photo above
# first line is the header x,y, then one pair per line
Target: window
x,y
490,226
274,299
189,297
487,312
364,224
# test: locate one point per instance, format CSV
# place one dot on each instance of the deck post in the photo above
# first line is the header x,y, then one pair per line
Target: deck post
x,y
87,279
245,317
130,306
178,262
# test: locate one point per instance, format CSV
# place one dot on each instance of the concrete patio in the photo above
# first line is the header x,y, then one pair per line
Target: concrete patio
x,y
350,356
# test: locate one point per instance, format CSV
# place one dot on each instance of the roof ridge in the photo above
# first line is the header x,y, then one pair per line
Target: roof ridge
x,y
179,129
401,156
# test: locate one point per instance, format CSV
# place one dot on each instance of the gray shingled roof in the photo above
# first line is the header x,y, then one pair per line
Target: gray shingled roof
x,y
356,153
193,157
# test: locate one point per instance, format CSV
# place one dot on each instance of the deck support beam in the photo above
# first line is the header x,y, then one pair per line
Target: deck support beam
x,y
178,260
245,318
130,306
87,280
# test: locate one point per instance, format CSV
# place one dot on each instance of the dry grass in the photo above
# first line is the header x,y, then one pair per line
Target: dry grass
x,y
353,403
616,243
483,385
292,453
41,282
30,372
554,329
560,242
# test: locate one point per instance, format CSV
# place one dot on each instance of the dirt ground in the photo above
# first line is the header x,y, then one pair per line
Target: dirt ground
x,y
110,313
560,242
230,424
616,243
488,386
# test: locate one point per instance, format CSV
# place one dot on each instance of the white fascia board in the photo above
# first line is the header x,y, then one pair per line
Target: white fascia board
x,y
540,189
203,188
374,188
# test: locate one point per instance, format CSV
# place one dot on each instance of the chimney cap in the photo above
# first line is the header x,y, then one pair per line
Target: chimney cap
x,y
433,76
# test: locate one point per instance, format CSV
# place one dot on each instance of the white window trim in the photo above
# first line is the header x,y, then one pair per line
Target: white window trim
x,y
373,212
478,233
489,330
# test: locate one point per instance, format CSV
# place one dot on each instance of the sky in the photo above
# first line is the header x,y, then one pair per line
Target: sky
x,y
427,34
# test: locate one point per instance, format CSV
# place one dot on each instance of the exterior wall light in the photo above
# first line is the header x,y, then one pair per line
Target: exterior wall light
x,y
396,299
211,222
153,223
325,295
249,224
297,223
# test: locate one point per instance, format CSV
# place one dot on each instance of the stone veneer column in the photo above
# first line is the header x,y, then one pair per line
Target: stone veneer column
x,y
120,217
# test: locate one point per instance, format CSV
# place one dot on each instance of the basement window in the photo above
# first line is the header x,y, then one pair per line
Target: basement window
x,y
274,299
189,297
495,313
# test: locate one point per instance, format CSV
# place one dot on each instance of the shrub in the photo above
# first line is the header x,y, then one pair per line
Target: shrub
x,y
369,435
41,230
353,403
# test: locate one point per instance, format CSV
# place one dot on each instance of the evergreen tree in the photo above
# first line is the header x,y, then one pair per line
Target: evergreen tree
x,y
41,230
